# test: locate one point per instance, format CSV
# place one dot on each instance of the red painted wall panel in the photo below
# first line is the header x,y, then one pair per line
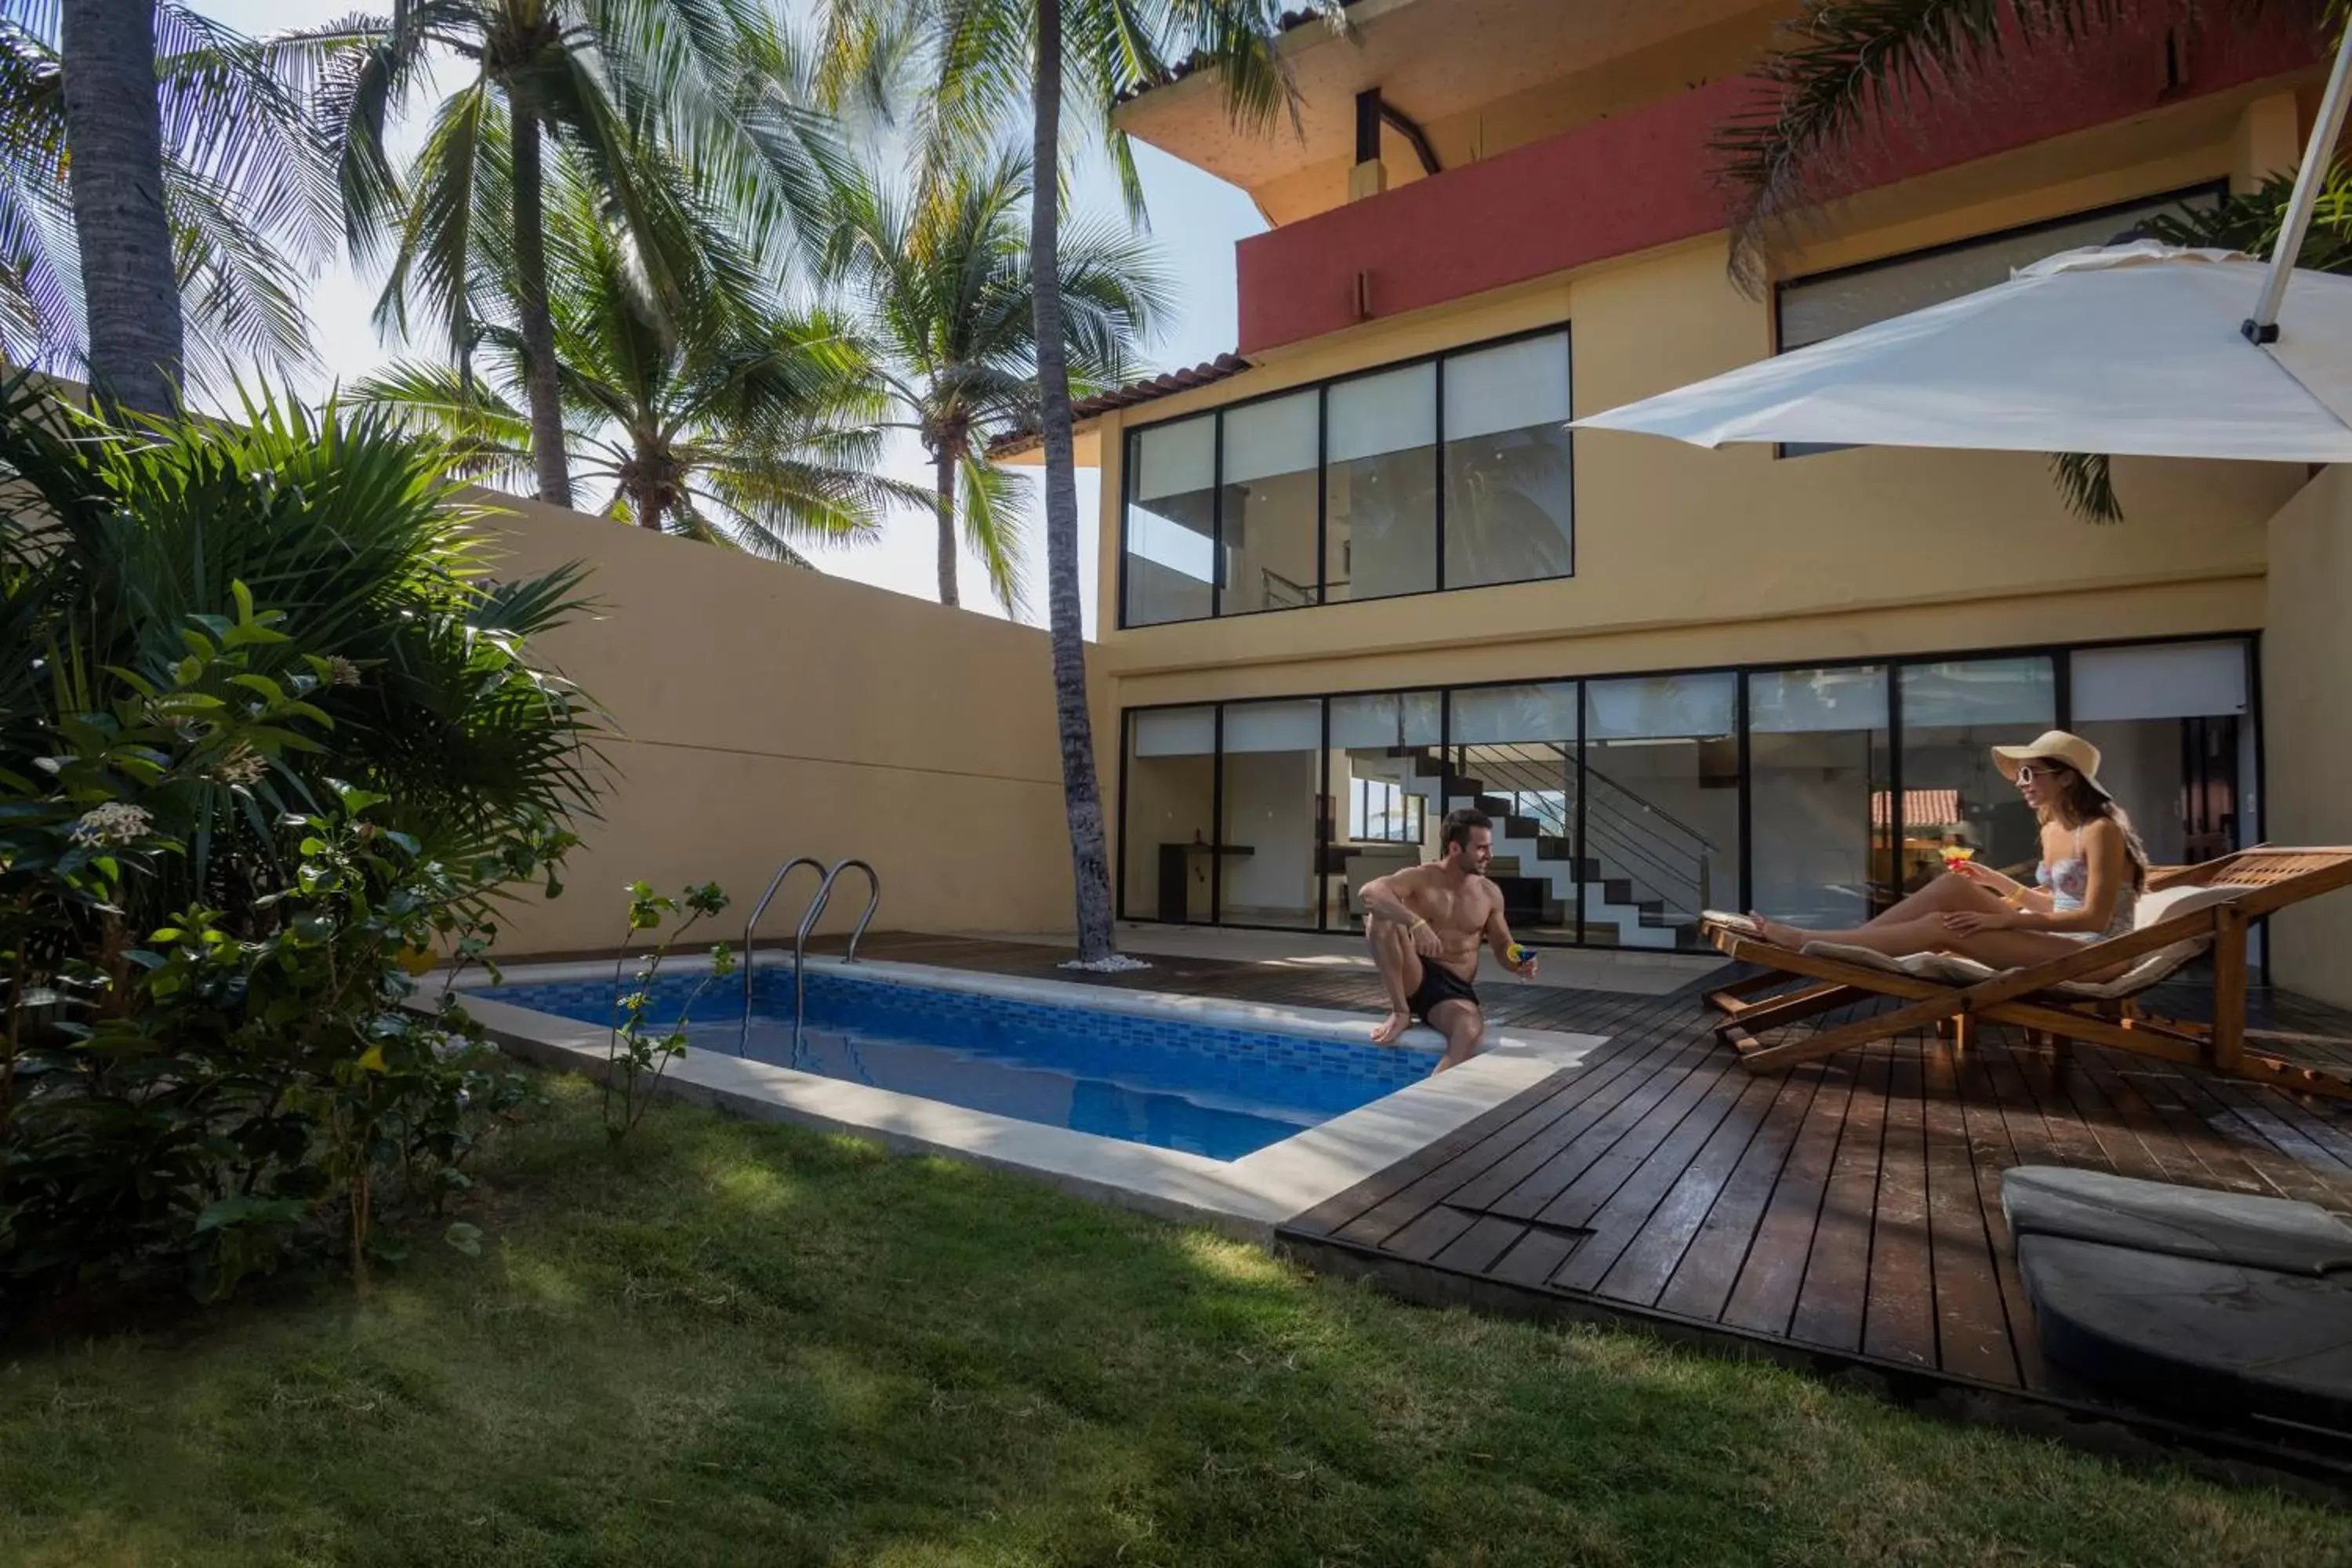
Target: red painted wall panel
x,y
1645,178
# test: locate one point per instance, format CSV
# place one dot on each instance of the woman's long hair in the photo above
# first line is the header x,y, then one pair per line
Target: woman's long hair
x,y
2080,803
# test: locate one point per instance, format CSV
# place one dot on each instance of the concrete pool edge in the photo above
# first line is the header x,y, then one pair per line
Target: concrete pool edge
x,y
1246,1197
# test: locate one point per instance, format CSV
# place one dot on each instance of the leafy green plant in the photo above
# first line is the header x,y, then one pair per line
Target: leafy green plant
x,y
638,1053
268,738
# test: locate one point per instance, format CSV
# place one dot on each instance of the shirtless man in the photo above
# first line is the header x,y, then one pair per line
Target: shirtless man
x,y
1426,926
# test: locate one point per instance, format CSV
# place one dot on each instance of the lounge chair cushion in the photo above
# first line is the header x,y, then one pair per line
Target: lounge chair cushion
x,y
2147,970
1729,921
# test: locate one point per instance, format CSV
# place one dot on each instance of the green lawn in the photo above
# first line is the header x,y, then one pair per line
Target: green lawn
x,y
745,1344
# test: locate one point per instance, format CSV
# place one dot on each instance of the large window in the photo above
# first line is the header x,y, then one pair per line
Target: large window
x,y
1953,715
1167,844
1389,773
1448,472
1662,798
1171,558
1381,495
1269,479
1272,784
1624,805
1832,303
2173,726
1509,486
1819,768
1514,755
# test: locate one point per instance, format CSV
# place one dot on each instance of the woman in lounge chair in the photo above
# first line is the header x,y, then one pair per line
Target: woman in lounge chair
x,y
2091,872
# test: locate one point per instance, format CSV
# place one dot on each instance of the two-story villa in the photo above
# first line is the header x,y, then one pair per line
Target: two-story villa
x,y
1358,571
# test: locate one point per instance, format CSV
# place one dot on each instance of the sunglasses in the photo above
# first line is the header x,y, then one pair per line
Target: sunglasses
x,y
2027,772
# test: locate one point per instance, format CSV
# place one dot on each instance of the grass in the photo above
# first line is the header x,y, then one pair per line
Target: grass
x,y
737,1343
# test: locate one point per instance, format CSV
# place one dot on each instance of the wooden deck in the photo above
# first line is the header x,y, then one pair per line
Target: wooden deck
x,y
1846,1213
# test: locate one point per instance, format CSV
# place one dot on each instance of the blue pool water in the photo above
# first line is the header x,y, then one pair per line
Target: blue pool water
x,y
1156,1078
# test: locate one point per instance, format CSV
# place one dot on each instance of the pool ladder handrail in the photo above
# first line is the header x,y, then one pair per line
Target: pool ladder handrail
x,y
809,918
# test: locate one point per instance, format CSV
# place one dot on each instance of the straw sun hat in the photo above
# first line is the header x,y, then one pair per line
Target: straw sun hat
x,y
2053,746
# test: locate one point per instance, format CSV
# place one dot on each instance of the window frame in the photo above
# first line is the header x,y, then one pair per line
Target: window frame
x,y
1321,388
2219,187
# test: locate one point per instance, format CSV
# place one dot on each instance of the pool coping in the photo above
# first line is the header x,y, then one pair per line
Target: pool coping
x,y
1246,1197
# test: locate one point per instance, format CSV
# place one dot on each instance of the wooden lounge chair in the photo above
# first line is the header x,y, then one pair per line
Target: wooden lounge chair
x,y
2186,912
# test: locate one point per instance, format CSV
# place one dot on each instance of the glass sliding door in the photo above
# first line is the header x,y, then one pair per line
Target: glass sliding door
x,y
1512,752
1388,781
1273,786
2171,721
1167,839
1171,561
1952,714
1818,759
1381,485
1660,804
1509,486
1269,516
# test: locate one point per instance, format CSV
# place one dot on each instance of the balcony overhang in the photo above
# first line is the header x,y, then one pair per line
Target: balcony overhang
x,y
1432,59
1647,178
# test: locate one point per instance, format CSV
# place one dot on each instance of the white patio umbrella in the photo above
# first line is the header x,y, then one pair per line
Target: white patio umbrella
x,y
2133,350
2130,349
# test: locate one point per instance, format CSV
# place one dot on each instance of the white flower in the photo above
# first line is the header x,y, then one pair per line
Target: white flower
x,y
342,671
113,823
243,765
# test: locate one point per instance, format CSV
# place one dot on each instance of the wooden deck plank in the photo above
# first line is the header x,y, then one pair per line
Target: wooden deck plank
x,y
1649,1161
1702,1281
1899,1323
1993,1151
1973,1319
1829,1309
1640,1274
1771,1277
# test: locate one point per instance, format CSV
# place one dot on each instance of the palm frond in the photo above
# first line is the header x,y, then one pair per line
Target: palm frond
x,y
1841,68
995,528
2086,480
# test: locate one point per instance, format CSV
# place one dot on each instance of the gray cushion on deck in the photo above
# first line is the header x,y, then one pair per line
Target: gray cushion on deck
x,y
2183,1222
2231,1338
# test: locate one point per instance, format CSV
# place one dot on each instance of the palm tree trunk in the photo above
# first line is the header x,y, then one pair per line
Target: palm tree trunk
x,y
1081,789
114,138
943,467
547,454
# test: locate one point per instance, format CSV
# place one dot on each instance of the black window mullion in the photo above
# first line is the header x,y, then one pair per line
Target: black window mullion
x,y
1577,850
1126,765
1125,507
1437,423
1324,828
1216,514
1323,493
1216,823
1894,743
1747,805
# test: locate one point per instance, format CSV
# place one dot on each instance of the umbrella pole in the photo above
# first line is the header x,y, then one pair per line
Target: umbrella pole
x,y
2262,327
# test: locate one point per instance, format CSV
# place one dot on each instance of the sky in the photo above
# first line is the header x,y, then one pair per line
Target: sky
x,y
1196,219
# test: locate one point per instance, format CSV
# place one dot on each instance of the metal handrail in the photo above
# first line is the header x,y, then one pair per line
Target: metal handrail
x,y
752,926
814,912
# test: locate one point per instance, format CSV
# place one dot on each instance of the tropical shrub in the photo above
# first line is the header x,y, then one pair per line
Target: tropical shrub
x,y
269,736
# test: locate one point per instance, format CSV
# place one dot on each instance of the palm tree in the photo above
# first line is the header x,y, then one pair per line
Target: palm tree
x,y
946,287
608,79
245,188
981,64
752,424
1840,65
114,128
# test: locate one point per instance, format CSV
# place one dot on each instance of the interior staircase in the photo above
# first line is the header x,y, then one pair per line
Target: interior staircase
x,y
1645,873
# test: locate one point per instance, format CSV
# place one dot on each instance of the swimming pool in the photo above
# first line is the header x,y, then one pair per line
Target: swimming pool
x,y
1154,1078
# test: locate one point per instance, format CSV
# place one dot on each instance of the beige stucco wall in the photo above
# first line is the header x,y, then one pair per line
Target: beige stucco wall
x,y
2308,723
763,711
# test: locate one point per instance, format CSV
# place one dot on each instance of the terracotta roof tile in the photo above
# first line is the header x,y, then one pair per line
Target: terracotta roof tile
x,y
1014,442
